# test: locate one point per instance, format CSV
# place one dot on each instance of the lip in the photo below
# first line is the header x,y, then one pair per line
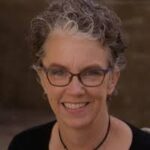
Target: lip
x,y
75,108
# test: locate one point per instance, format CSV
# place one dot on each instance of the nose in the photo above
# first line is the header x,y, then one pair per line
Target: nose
x,y
75,87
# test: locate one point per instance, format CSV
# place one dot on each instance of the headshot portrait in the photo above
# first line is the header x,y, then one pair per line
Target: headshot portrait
x,y
80,53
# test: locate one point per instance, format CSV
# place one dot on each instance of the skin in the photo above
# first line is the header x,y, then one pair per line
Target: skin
x,y
76,53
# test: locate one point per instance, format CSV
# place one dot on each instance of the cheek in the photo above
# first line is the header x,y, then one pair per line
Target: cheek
x,y
51,91
98,93
53,99
54,95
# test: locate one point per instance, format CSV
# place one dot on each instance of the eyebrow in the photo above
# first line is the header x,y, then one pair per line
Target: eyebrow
x,y
57,65
96,66
93,66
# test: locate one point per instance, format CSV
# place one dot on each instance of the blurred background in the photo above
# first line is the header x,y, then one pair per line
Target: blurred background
x,y
22,102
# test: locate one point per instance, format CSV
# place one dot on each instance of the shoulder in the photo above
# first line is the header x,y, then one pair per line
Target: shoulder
x,y
34,138
140,140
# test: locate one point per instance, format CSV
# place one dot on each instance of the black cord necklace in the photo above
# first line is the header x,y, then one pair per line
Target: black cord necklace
x,y
98,146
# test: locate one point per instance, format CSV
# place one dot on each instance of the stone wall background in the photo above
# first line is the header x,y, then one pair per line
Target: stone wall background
x,y
18,86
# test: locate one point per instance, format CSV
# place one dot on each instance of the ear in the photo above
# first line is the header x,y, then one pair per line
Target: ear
x,y
113,80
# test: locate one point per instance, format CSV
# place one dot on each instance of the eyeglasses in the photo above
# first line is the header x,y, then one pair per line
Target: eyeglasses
x,y
89,77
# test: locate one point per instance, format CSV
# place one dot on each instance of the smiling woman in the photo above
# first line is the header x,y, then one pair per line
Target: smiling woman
x,y
79,53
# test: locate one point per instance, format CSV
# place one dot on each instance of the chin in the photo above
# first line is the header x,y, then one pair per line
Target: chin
x,y
76,123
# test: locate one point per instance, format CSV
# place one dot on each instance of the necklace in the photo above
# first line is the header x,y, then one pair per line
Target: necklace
x,y
98,146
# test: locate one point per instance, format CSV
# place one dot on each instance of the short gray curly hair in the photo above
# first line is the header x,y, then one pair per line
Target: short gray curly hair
x,y
86,17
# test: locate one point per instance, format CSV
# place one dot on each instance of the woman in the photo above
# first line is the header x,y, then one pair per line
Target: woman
x,y
78,55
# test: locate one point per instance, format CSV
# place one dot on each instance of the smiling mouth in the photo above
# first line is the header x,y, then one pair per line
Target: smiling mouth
x,y
74,106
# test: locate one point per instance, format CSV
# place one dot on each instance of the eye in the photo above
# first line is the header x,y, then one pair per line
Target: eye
x,y
57,72
93,72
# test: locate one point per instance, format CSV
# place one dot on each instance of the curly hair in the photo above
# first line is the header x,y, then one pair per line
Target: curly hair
x,y
86,17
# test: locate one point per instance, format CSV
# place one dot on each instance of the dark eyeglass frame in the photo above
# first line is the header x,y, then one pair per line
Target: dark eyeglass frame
x,y
78,75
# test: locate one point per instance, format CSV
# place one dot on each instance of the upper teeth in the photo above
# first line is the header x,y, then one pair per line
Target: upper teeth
x,y
74,106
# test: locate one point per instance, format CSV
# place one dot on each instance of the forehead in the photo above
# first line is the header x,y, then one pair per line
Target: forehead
x,y
74,51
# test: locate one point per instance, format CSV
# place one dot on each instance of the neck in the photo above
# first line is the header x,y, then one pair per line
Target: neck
x,y
79,138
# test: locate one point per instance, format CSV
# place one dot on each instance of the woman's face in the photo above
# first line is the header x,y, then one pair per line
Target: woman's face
x,y
76,105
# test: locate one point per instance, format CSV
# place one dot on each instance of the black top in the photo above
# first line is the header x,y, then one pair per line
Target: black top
x,y
37,138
